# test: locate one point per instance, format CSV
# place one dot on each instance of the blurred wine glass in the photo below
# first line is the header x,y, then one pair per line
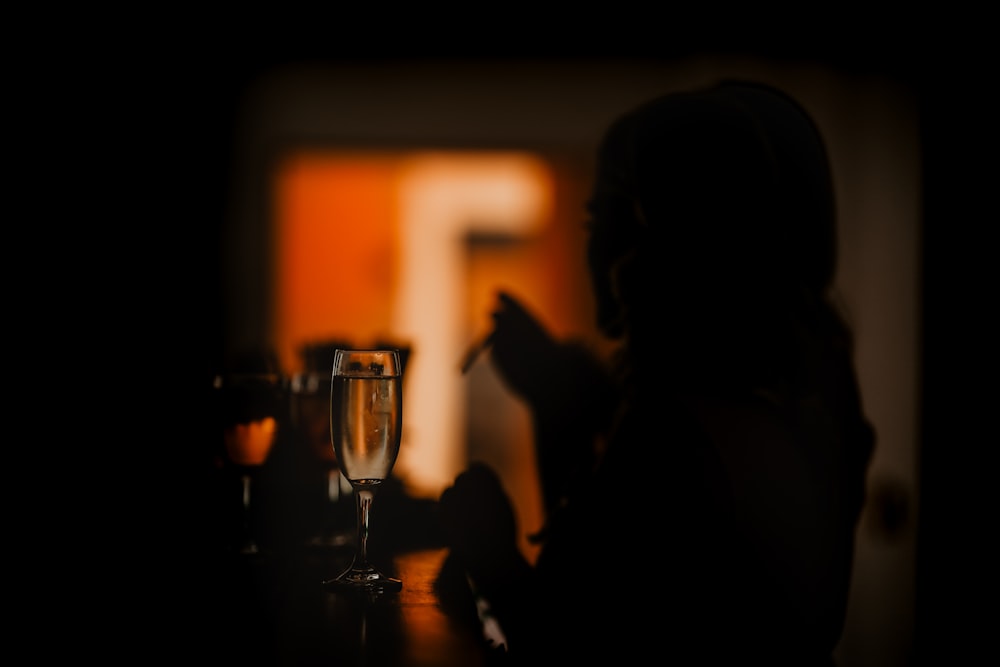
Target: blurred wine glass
x,y
309,393
249,404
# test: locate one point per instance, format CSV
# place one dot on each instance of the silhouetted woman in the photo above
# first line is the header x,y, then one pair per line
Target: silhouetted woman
x,y
702,494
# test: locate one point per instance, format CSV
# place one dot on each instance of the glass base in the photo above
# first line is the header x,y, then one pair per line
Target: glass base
x,y
368,580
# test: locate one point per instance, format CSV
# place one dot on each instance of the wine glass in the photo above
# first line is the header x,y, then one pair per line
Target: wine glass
x,y
250,425
366,415
310,415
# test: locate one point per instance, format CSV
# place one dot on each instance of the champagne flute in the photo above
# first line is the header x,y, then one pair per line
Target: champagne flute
x,y
366,415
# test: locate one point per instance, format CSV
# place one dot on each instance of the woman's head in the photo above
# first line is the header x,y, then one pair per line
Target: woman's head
x,y
713,196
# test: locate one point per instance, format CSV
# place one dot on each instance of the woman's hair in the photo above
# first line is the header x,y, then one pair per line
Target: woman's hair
x,y
713,209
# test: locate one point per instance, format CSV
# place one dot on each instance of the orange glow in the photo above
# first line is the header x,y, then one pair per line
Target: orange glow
x,y
424,625
337,254
445,197
375,246
249,444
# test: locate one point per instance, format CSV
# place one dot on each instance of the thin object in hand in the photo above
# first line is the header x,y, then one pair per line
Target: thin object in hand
x,y
474,351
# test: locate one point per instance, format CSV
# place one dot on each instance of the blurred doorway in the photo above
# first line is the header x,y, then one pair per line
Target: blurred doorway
x,y
410,247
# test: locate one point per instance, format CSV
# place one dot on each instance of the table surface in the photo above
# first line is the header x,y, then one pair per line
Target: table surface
x,y
267,610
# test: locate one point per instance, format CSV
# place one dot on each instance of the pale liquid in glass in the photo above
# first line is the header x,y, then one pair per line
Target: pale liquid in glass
x,y
365,422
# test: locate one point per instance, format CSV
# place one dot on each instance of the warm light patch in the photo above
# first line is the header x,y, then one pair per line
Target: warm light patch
x,y
443,198
249,444
376,247
337,252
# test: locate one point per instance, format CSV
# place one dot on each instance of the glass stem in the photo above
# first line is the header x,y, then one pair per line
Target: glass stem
x,y
364,504
249,545
333,485
246,494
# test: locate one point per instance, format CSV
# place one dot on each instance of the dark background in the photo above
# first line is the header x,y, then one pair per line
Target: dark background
x,y
137,131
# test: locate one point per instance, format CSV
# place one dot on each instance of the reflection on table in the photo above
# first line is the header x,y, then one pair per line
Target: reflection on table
x,y
274,611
